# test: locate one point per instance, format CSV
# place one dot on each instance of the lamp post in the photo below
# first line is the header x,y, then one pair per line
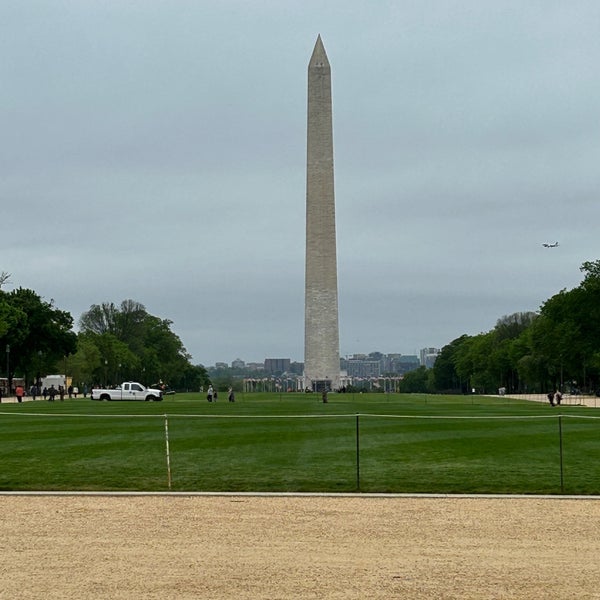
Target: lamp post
x,y
38,381
8,369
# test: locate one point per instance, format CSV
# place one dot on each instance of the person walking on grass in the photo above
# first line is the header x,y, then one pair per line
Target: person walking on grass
x,y
19,393
209,393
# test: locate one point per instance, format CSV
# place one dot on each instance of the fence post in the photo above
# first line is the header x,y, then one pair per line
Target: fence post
x,y
560,445
168,451
357,454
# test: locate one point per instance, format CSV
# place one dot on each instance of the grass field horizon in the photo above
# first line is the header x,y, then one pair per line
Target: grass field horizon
x,y
289,442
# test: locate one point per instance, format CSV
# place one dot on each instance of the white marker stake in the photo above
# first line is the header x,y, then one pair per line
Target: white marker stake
x,y
168,452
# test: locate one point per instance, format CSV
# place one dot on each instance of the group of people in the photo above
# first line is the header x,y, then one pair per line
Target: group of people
x,y
51,392
212,394
554,398
46,393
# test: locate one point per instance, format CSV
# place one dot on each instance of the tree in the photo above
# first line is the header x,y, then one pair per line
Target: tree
x,y
566,337
561,346
486,361
511,326
417,381
445,376
133,344
37,333
11,319
591,268
125,323
86,364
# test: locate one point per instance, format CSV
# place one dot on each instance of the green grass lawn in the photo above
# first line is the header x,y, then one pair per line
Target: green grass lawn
x,y
294,442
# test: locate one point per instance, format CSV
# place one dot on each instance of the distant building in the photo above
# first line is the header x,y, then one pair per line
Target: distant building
x,y
221,365
406,363
388,362
428,356
360,368
276,366
238,363
297,368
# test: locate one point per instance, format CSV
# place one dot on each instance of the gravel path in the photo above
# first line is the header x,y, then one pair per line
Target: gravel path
x,y
242,547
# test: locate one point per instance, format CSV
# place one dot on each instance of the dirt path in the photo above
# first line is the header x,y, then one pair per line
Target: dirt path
x,y
567,399
298,547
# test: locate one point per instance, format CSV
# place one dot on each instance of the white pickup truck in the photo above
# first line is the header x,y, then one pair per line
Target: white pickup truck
x,y
130,390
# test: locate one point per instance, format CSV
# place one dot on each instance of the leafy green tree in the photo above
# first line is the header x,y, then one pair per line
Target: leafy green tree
x,y
564,342
561,345
486,361
474,362
12,320
37,333
417,381
531,366
510,327
126,323
445,375
192,379
132,344
86,364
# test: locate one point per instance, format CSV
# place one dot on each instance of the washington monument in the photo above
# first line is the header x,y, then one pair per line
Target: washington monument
x,y
321,331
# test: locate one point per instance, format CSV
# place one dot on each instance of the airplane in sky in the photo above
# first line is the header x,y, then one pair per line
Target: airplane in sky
x,y
550,245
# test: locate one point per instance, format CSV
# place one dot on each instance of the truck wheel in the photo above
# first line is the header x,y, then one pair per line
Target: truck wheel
x,y
150,398
105,397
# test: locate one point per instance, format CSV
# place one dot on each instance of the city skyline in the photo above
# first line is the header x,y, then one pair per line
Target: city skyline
x,y
231,364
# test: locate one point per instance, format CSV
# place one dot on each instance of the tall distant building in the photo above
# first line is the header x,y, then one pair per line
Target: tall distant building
x,y
428,356
321,329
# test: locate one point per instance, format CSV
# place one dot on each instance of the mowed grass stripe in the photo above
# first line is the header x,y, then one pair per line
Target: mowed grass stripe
x,y
408,443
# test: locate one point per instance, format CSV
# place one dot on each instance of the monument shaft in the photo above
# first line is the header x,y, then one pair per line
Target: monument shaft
x,y
321,330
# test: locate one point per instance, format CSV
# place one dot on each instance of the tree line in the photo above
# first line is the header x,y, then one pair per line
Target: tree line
x,y
113,344
557,348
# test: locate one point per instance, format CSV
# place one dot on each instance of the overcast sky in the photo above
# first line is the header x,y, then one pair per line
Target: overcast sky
x,y
155,151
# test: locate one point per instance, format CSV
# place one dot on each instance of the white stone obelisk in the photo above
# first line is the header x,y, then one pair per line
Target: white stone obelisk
x,y
321,330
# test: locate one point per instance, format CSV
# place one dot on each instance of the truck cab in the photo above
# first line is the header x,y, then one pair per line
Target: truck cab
x,y
134,390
